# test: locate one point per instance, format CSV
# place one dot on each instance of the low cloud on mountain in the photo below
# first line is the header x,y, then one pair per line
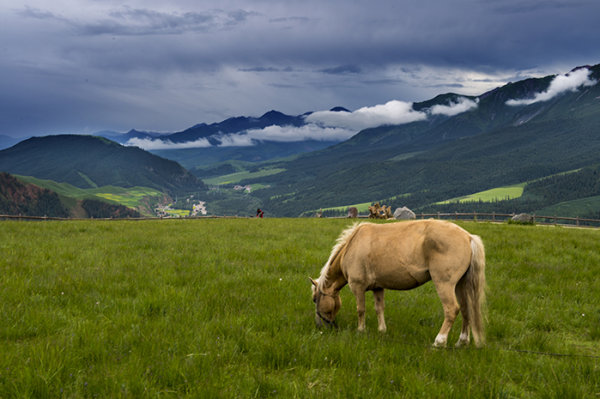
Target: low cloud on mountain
x,y
251,137
159,144
309,131
462,105
391,113
321,125
560,84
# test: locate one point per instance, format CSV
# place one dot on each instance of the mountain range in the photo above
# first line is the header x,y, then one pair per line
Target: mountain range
x,y
499,142
205,144
524,133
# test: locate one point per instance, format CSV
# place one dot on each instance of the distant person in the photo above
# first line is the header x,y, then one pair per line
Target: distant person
x,y
259,213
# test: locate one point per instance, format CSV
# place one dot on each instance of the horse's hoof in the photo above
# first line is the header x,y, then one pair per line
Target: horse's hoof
x,y
440,341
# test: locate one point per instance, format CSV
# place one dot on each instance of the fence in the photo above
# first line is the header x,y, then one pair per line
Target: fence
x,y
503,217
476,216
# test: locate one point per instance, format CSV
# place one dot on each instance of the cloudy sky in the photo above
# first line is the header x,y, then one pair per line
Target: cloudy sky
x,y
80,66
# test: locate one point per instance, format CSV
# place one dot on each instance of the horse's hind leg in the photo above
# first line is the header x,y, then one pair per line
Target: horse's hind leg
x,y
379,308
451,309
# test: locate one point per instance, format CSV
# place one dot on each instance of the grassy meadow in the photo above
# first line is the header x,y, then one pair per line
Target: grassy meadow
x,y
222,308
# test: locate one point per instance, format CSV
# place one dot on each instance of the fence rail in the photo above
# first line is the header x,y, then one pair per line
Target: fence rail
x,y
476,216
503,217
500,217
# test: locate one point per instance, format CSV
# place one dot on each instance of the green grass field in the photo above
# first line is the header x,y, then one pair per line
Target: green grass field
x,y
239,176
494,194
222,308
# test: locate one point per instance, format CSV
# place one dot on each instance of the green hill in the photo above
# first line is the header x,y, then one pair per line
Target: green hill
x,y
90,162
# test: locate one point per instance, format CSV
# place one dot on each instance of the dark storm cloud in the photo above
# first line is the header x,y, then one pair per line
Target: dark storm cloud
x,y
266,69
342,69
127,21
78,65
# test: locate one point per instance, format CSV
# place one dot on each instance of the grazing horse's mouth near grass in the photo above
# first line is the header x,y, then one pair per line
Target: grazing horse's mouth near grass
x,y
323,321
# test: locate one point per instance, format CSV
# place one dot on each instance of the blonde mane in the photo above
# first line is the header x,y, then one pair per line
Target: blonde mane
x,y
341,242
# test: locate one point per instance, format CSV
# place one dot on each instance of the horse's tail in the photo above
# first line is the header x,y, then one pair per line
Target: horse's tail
x,y
474,290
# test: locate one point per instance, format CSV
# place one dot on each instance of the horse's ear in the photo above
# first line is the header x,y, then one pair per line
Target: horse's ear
x,y
313,281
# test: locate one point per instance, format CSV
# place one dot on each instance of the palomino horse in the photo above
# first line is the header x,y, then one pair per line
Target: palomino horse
x,y
402,256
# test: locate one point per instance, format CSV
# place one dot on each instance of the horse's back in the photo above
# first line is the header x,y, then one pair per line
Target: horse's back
x,y
401,255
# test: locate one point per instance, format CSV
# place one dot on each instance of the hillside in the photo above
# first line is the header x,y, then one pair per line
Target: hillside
x,y
444,157
18,198
89,161
26,199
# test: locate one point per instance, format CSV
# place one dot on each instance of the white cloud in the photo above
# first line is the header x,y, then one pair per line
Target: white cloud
x,y
158,144
309,131
391,113
560,84
235,140
463,105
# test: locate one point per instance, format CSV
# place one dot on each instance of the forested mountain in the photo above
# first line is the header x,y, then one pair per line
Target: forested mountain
x,y
89,161
444,157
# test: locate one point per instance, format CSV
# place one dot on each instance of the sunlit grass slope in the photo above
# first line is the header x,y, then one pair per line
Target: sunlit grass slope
x,y
494,194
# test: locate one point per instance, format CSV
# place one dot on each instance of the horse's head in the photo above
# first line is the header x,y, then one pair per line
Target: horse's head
x,y
326,306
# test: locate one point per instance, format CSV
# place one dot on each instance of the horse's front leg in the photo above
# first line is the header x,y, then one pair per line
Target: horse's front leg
x,y
359,293
379,308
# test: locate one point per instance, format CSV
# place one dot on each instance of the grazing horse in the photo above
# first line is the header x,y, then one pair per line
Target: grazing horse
x,y
403,256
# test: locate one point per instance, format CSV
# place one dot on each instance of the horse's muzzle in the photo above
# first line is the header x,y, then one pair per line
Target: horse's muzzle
x,y
321,322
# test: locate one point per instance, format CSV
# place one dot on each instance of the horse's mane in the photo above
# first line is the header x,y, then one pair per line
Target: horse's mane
x,y
340,244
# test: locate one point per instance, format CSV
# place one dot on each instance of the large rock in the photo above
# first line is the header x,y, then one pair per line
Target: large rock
x,y
524,218
352,212
404,214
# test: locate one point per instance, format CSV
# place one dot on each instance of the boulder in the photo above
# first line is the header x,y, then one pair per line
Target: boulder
x,y
524,218
352,212
404,214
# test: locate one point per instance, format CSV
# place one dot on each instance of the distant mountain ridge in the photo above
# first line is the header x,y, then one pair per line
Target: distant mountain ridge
x,y
213,130
90,161
218,150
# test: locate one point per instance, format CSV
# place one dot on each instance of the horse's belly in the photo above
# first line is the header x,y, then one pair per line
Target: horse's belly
x,y
402,279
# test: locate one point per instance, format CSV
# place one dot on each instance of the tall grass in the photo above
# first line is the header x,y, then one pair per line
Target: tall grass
x,y
221,308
